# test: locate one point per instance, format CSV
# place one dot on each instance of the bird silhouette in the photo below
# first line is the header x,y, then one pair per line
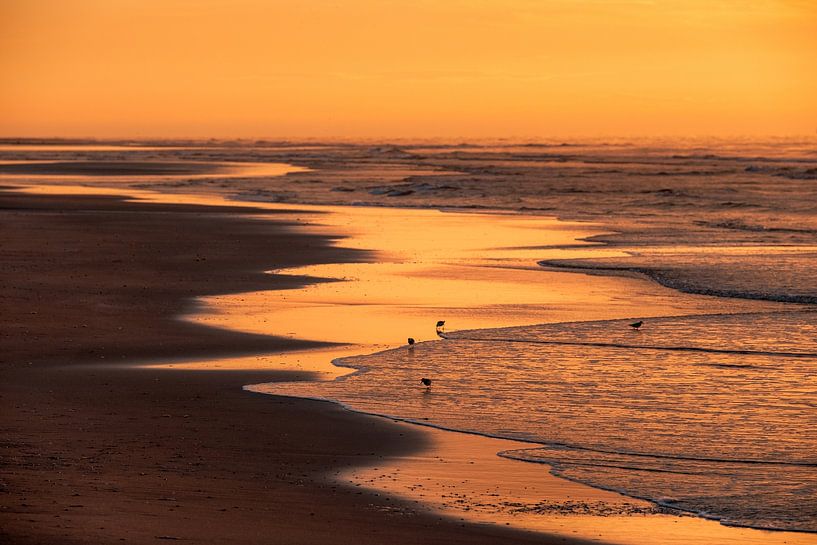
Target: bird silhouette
x,y
638,324
426,382
411,340
441,328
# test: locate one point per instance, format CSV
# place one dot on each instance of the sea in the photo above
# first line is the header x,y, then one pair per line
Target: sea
x,y
713,413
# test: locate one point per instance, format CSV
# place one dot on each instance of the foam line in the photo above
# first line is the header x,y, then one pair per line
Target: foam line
x,y
809,355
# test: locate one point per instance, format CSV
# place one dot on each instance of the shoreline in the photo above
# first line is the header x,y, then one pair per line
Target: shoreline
x,y
600,512
692,532
543,503
284,375
109,455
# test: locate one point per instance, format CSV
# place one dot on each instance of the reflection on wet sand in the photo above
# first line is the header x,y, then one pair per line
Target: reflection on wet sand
x,y
125,172
475,271
443,271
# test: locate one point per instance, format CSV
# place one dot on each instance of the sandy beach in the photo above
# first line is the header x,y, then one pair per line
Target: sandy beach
x,y
95,451
101,450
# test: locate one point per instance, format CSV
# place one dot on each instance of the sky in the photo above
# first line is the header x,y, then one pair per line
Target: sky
x,y
419,68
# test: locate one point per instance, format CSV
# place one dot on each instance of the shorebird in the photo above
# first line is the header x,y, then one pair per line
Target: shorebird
x,y
441,328
426,382
636,325
411,340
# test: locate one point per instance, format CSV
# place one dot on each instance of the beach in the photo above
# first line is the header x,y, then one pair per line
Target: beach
x,y
96,451
382,273
141,328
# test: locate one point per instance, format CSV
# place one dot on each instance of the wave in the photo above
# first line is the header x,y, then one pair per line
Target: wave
x,y
643,347
738,225
792,173
660,456
560,469
713,172
683,284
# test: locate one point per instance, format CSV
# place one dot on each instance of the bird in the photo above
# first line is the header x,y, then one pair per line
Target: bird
x,y
411,340
426,382
636,325
441,328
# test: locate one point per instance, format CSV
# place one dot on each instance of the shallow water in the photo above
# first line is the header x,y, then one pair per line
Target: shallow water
x,y
713,414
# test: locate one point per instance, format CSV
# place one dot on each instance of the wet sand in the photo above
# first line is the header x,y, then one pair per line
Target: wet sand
x,y
97,451
110,168
120,173
475,271
101,447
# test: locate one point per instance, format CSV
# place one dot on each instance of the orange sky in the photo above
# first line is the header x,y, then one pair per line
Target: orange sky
x,y
419,68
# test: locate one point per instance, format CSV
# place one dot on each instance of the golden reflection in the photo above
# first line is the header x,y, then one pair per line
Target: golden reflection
x,y
316,361
473,270
203,170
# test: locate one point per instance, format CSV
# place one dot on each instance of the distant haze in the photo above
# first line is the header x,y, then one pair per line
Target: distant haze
x,y
419,68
